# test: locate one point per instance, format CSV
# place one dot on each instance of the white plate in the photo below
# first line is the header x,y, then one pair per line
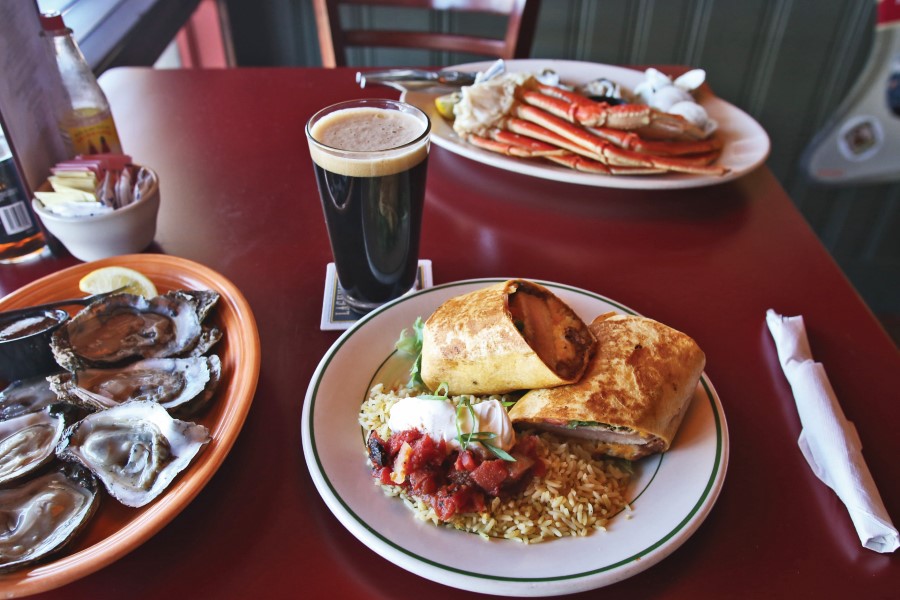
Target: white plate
x,y
746,144
671,495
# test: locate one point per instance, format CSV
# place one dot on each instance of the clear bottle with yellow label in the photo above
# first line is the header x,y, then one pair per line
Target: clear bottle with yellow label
x,y
85,120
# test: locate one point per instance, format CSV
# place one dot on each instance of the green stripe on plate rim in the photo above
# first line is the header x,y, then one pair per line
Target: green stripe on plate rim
x,y
681,525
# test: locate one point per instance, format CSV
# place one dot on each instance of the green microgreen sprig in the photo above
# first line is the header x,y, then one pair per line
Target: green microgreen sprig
x,y
410,343
479,437
441,393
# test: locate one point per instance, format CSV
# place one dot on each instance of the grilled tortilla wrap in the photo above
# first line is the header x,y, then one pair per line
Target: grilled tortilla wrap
x,y
510,336
633,395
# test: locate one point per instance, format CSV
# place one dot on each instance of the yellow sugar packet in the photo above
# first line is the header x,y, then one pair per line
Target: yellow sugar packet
x,y
70,181
51,198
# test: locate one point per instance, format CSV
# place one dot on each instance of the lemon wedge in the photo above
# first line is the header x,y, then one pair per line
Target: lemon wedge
x,y
444,104
108,279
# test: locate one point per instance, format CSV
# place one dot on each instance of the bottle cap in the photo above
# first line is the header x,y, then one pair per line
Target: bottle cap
x,y
52,21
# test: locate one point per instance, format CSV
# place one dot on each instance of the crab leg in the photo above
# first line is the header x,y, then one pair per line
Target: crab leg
x,y
576,108
604,150
632,141
624,139
580,163
536,131
587,165
513,144
599,150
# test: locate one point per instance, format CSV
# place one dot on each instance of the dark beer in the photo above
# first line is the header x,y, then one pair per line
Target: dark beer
x,y
370,165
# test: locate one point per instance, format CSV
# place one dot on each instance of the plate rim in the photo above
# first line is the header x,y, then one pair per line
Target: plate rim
x,y
521,586
67,566
564,175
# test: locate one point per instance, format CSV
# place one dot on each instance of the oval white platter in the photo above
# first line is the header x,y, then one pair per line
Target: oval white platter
x,y
746,144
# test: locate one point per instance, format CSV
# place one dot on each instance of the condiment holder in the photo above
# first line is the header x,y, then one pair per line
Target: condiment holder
x,y
25,343
125,230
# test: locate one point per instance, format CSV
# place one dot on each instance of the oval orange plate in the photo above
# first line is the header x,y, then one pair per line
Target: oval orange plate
x,y
116,530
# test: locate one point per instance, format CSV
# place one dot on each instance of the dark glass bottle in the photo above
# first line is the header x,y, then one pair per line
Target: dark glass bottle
x,y
21,237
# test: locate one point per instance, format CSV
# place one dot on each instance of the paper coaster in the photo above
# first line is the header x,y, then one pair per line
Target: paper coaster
x,y
335,312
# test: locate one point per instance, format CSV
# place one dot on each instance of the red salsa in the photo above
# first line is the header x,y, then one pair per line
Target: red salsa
x,y
451,481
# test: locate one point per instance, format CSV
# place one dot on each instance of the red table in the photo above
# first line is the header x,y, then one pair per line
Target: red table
x,y
238,195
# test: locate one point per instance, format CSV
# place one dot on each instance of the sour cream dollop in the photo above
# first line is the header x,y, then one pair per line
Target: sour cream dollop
x,y
438,419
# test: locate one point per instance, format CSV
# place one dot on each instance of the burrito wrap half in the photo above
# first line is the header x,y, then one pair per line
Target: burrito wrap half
x,y
634,392
510,336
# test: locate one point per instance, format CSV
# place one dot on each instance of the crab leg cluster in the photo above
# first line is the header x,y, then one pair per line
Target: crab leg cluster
x,y
569,129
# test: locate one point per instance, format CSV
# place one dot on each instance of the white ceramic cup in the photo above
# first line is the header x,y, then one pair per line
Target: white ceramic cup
x,y
122,231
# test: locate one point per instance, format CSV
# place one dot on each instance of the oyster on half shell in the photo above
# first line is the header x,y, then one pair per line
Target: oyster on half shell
x,y
181,385
125,327
27,442
44,514
25,396
136,449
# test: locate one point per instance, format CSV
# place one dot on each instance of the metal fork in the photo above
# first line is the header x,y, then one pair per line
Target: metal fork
x,y
402,78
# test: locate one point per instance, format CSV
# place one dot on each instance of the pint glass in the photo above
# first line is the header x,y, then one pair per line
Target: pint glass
x,y
370,159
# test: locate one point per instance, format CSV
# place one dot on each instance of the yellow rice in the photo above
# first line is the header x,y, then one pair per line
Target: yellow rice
x,y
577,495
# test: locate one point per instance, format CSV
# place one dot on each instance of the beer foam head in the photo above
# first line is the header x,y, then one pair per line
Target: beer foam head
x,y
368,141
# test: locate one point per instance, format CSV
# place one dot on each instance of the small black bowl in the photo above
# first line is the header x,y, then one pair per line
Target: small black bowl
x,y
25,344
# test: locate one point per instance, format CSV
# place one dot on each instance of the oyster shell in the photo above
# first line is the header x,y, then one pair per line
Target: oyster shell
x,y
136,449
202,301
125,327
25,396
44,514
181,385
27,442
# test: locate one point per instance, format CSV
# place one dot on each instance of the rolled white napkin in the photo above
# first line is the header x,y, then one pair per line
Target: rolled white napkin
x,y
828,440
